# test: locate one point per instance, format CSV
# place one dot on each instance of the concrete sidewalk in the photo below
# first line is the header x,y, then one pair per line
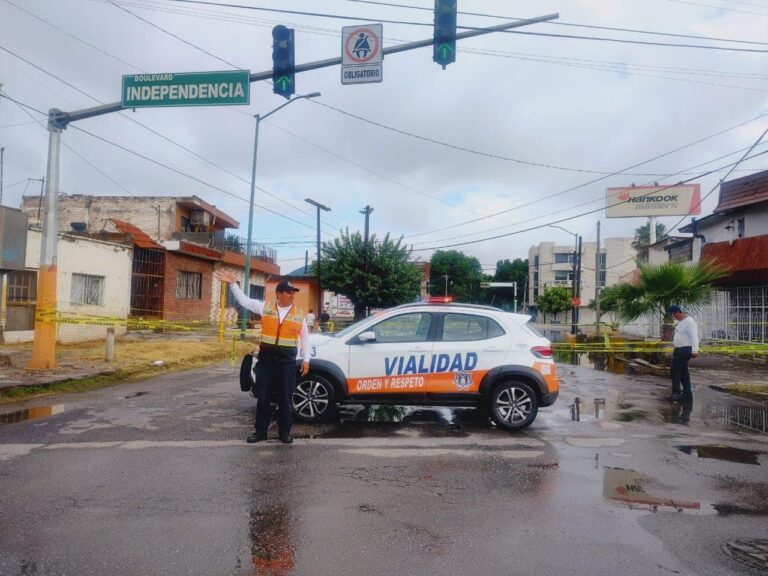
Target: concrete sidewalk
x,y
14,373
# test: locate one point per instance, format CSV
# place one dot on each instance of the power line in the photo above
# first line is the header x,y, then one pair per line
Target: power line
x,y
587,203
117,58
429,24
76,153
556,221
722,179
559,23
719,7
146,128
572,188
177,37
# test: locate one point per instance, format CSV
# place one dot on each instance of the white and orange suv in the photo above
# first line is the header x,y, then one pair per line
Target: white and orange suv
x,y
432,354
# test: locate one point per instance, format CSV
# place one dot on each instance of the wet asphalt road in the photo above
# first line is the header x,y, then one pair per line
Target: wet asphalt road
x,y
155,478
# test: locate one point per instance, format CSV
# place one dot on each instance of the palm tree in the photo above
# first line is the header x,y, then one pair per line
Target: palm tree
x,y
658,287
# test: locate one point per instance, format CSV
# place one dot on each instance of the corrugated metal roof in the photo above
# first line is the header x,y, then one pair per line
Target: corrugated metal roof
x,y
139,237
746,259
743,192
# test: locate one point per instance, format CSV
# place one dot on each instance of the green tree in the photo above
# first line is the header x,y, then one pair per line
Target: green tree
x,y
464,275
506,271
554,300
385,278
658,287
643,240
609,305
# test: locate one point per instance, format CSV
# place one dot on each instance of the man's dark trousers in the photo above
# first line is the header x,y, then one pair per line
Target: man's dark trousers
x,y
280,376
680,375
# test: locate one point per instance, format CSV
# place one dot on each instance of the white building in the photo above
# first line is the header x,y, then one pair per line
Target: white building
x,y
551,264
93,279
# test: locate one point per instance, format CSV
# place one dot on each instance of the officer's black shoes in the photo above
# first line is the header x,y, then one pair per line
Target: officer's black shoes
x,y
256,437
286,438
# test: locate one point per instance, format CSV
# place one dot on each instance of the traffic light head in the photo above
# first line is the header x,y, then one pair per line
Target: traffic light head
x,y
444,46
283,63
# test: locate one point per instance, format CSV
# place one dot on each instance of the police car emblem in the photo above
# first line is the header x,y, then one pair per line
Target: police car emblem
x,y
463,380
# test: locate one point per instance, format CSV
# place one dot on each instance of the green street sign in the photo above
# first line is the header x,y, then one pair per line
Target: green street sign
x,y
186,89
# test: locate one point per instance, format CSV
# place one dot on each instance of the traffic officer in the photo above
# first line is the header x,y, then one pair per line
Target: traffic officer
x,y
686,342
283,331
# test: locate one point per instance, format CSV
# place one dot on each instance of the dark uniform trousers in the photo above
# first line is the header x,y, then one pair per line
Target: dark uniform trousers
x,y
280,376
680,375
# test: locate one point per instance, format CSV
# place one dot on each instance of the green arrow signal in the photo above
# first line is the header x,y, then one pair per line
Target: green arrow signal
x,y
283,82
444,50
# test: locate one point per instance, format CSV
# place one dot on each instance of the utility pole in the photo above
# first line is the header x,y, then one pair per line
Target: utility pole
x,y
44,344
446,283
2,153
319,281
577,279
597,282
367,211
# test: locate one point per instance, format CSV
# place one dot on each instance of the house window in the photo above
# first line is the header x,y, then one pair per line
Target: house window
x,y
20,301
185,225
563,258
563,276
740,227
22,286
87,289
602,278
536,261
189,285
256,291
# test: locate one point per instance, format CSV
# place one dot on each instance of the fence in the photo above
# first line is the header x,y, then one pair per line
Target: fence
x,y
735,315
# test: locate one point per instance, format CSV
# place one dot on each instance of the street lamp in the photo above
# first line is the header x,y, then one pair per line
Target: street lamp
x,y
319,282
248,249
576,282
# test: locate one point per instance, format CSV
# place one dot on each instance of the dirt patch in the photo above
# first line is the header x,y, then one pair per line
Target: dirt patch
x,y
82,367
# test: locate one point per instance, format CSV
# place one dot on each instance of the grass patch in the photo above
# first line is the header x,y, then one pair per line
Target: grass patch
x,y
629,415
132,361
747,390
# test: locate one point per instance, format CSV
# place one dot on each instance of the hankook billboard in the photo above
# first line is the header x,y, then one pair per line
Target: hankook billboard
x,y
637,201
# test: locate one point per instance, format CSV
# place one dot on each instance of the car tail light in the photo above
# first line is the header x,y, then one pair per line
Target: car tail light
x,y
542,351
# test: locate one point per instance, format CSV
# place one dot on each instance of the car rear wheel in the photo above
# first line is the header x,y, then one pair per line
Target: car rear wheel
x,y
313,399
513,405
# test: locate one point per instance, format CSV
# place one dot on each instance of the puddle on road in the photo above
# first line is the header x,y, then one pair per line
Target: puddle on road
x,y
34,413
628,487
384,421
721,452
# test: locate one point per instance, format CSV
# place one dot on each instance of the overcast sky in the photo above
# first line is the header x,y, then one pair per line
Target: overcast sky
x,y
515,120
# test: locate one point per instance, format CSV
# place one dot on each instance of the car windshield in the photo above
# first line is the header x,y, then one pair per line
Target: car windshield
x,y
350,328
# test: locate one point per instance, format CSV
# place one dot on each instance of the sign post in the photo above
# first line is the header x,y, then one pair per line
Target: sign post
x,y
186,89
361,54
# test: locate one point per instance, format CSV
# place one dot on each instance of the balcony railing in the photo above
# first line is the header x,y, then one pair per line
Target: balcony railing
x,y
228,243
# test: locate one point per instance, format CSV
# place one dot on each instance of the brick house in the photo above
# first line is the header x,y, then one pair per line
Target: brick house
x,y
178,242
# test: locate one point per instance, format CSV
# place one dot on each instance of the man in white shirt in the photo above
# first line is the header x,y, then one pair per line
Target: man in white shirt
x,y
686,342
283,331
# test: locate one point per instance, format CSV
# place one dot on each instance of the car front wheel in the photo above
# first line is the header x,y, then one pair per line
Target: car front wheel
x,y
513,405
313,399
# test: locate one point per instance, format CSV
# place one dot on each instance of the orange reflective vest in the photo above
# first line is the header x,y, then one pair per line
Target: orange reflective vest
x,y
275,333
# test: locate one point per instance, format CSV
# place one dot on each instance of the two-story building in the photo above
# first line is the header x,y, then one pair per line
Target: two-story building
x,y
177,244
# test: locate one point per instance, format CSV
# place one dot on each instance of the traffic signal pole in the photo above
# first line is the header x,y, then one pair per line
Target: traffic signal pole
x,y
44,344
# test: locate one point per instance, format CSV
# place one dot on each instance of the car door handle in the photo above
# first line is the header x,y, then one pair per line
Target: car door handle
x,y
417,349
494,349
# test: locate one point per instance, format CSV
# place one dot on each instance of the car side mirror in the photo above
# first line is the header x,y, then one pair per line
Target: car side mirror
x,y
369,336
